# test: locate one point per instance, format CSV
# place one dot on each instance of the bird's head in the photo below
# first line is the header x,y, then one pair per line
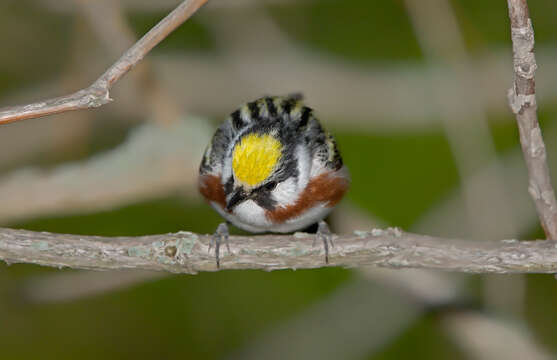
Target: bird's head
x,y
262,169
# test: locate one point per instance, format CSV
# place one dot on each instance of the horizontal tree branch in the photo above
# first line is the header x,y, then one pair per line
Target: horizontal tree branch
x,y
98,93
186,252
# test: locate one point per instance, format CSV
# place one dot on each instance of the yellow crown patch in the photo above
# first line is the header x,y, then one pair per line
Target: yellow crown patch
x,y
255,157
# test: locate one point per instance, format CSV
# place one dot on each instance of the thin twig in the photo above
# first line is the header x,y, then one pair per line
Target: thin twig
x,y
98,93
186,252
107,19
522,100
406,106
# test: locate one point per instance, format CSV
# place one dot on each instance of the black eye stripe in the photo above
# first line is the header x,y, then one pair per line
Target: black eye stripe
x,y
228,187
265,201
270,186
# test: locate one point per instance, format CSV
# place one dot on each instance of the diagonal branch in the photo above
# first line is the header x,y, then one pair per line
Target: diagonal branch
x,y
98,93
522,100
186,252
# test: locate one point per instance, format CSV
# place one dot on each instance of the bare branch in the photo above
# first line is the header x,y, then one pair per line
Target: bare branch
x,y
158,160
186,252
98,93
522,100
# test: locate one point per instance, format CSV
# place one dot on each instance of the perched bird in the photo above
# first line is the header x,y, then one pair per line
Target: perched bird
x,y
271,167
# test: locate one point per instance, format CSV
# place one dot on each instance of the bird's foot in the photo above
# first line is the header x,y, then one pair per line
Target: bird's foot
x,y
218,237
324,234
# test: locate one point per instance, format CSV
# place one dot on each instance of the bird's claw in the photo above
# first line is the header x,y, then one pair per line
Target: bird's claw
x,y
324,234
220,234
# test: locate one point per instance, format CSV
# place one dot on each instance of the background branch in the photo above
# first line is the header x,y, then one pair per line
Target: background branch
x,y
186,252
153,162
98,93
468,134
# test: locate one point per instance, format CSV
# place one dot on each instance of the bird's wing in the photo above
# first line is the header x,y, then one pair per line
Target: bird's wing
x,y
321,143
213,158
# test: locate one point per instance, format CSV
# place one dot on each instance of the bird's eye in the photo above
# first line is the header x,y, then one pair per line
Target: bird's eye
x,y
270,186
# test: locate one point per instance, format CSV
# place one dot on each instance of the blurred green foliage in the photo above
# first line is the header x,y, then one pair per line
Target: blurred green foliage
x,y
19,48
200,317
360,30
424,340
541,296
191,36
399,170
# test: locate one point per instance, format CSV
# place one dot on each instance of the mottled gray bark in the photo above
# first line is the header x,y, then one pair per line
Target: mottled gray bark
x,y
186,252
522,100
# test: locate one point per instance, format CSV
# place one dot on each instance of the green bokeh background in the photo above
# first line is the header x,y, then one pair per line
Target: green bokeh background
x,y
207,316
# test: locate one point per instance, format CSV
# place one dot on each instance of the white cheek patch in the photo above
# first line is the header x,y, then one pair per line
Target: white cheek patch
x,y
226,171
304,166
248,212
235,220
317,168
286,192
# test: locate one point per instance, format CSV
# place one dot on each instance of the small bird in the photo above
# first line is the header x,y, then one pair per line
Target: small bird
x,y
271,167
